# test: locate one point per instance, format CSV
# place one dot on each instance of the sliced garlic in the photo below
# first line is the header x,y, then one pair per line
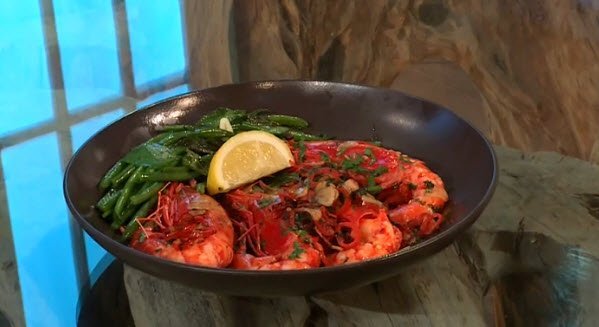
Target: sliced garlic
x,y
225,124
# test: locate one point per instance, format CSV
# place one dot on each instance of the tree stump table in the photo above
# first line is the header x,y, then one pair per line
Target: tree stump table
x,y
530,260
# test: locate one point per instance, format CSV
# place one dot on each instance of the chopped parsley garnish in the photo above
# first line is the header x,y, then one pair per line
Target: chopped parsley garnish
x,y
325,157
297,251
371,181
283,179
429,185
374,189
369,154
302,149
377,143
263,203
353,164
412,186
379,171
303,235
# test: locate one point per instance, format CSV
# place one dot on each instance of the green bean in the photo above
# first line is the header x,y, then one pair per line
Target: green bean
x,y
204,162
211,133
143,211
197,163
106,214
306,137
201,148
123,176
176,128
158,138
174,169
276,130
256,115
286,120
146,193
119,221
213,119
203,133
123,200
172,137
162,176
107,202
111,174
191,162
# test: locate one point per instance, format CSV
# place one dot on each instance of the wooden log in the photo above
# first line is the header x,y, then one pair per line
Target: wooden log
x,y
531,259
208,42
533,61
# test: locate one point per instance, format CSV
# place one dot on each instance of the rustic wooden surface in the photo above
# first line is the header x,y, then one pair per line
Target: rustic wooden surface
x,y
530,260
533,61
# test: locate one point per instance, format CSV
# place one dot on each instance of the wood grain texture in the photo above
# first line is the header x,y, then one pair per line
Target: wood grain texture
x,y
530,260
533,61
208,42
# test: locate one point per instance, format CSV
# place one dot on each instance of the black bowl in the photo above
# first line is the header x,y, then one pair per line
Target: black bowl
x,y
449,145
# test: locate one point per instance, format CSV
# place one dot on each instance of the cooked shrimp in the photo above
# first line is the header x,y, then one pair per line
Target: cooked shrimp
x,y
378,238
428,198
187,227
299,254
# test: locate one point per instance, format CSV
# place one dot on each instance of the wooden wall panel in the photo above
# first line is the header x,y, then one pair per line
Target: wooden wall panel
x,y
533,61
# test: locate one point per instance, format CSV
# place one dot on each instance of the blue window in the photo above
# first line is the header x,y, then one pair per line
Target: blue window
x,y
80,134
88,50
25,99
156,39
40,228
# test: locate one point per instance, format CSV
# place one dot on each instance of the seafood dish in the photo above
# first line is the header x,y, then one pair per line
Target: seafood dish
x,y
255,191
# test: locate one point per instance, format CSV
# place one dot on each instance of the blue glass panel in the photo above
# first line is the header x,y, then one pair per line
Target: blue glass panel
x,y
41,234
23,67
80,134
88,49
156,37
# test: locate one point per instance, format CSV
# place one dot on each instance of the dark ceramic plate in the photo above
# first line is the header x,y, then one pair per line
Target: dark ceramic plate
x,y
449,145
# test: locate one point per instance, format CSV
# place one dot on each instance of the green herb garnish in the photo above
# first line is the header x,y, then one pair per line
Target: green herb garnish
x,y
325,157
412,186
297,251
152,155
429,185
353,164
375,189
369,154
379,171
303,235
266,202
283,179
302,149
371,181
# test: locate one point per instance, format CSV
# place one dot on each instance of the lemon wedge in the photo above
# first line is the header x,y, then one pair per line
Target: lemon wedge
x,y
247,157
